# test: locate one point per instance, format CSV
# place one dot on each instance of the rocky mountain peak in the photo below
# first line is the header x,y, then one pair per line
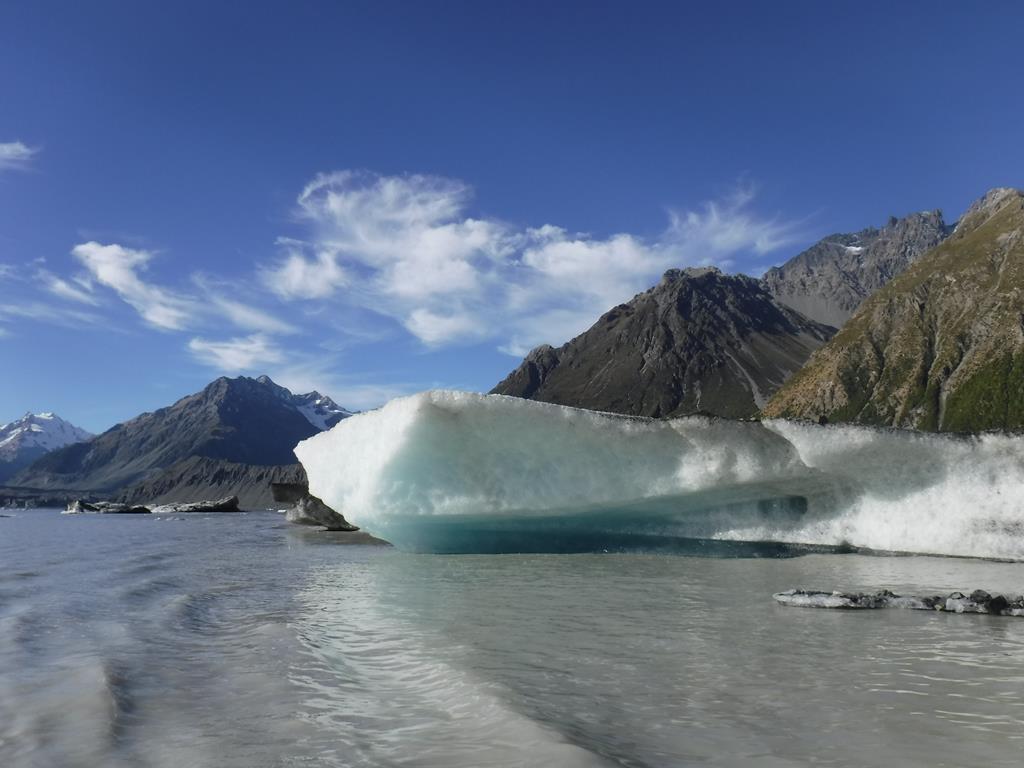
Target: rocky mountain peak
x,y
698,341
233,427
33,435
672,275
829,280
990,204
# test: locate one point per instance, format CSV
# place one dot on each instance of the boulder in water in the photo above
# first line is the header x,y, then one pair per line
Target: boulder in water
x,y
227,504
979,601
308,509
80,507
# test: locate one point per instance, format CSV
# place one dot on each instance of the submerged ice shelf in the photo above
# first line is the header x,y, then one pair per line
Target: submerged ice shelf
x,y
461,472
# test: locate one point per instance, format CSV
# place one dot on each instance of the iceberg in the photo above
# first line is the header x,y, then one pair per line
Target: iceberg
x,y
445,471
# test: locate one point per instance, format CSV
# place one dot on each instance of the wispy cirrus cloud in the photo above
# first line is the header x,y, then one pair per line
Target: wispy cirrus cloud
x,y
15,156
122,270
406,247
119,268
76,289
237,354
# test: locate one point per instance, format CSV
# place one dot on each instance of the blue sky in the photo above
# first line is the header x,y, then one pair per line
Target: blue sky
x,y
377,198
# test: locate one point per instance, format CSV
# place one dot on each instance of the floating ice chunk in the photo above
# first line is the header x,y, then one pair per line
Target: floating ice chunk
x,y
460,455
454,471
979,601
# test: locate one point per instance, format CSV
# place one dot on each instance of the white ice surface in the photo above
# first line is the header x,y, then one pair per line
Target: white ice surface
x,y
441,455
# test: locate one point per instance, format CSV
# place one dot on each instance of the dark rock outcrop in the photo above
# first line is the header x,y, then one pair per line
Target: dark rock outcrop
x,y
196,478
829,280
698,342
80,507
308,509
227,504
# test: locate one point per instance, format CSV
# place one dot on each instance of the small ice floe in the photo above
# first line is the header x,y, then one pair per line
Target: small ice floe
x,y
979,601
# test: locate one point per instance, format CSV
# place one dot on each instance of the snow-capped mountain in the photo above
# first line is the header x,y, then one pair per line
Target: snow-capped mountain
x,y
319,410
33,435
234,437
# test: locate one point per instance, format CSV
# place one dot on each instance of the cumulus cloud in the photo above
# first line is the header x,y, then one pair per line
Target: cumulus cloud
x,y
238,354
15,156
406,247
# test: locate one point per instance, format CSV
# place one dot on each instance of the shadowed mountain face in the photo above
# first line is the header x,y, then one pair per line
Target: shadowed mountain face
x,y
699,341
829,280
230,425
940,347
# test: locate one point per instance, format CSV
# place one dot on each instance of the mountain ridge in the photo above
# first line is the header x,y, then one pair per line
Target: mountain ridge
x,y
940,347
829,280
699,341
230,423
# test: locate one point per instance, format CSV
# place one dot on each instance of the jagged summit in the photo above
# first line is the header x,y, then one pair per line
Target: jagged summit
x,y
829,280
699,341
320,410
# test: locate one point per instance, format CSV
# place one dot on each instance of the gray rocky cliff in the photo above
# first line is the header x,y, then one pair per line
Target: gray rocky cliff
x,y
829,280
698,342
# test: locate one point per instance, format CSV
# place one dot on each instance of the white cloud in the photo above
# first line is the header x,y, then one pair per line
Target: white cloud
x,y
67,317
241,314
406,247
15,156
722,228
238,354
433,328
117,268
250,318
76,290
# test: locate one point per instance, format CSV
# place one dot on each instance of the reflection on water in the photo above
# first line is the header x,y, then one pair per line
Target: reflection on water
x,y
233,641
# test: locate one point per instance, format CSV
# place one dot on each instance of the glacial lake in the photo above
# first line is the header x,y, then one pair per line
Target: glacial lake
x,y
241,641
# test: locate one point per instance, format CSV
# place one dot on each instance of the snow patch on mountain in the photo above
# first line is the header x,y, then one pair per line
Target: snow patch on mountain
x,y
319,410
39,430
33,435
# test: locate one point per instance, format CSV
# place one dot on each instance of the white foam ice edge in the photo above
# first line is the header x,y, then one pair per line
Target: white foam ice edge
x,y
463,459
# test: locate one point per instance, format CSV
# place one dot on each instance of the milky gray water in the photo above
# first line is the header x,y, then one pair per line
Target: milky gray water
x,y
236,640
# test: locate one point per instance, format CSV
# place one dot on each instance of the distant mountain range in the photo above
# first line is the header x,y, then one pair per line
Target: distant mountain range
x,y
34,435
699,341
941,347
234,437
934,341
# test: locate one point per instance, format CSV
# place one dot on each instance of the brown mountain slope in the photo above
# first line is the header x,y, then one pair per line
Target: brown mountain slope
x,y
940,347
